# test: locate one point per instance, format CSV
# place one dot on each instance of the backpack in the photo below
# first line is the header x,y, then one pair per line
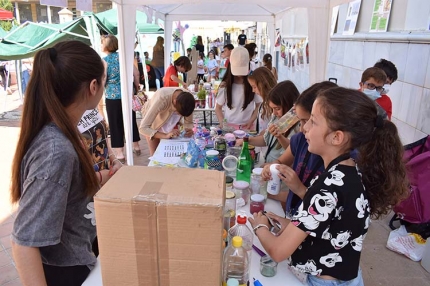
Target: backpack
x,y
414,212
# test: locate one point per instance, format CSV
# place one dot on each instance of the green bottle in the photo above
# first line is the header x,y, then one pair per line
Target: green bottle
x,y
244,163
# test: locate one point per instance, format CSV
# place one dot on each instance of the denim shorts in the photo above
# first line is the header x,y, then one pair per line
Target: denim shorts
x,y
316,281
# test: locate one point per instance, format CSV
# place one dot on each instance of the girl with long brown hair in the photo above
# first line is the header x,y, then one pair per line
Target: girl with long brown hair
x,y
52,174
262,81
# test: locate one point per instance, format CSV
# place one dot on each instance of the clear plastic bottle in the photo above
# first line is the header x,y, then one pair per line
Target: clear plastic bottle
x,y
235,263
242,230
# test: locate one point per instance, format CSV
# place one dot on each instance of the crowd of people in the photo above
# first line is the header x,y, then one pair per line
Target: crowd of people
x,y
336,163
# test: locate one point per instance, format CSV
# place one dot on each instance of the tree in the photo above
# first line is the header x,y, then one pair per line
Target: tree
x,y
7,5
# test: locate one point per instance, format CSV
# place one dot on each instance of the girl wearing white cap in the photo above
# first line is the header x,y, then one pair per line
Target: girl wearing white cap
x,y
235,95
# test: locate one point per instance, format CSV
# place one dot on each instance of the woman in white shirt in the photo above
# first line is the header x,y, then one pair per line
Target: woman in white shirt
x,y
235,94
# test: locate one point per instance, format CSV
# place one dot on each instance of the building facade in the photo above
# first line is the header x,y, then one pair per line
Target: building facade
x,y
31,10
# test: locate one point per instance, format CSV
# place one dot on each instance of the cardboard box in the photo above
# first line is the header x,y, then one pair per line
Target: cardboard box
x,y
161,226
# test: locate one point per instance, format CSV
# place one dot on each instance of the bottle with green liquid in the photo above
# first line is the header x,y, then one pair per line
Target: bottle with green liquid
x,y
244,163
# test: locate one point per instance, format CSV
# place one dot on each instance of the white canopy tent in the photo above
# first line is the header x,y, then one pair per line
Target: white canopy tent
x,y
319,17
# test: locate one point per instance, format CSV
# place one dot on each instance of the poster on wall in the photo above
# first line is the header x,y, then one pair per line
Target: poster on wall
x,y
351,17
334,13
380,16
278,38
284,53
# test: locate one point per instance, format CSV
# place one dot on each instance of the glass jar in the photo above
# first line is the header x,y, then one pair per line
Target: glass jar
x,y
228,183
256,204
212,161
221,146
241,189
268,267
229,210
256,180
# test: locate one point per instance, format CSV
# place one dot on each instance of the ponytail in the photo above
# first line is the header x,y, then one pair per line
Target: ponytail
x,y
267,60
383,169
60,76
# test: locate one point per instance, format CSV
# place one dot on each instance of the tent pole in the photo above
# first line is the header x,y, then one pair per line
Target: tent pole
x,y
168,30
18,19
319,39
127,16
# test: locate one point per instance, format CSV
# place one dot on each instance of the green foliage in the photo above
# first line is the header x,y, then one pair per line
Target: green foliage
x,y
201,94
6,5
7,25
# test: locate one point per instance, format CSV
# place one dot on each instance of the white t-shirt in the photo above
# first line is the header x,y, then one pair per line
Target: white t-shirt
x,y
200,70
236,115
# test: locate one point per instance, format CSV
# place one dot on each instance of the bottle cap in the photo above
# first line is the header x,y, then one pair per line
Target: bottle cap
x,y
245,139
229,195
228,180
237,241
257,198
212,153
232,282
240,185
273,168
241,219
257,171
251,147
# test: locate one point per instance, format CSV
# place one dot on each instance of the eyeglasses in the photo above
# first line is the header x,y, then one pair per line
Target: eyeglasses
x,y
371,86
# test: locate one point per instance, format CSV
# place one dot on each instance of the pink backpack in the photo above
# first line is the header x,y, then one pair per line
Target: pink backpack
x,y
414,211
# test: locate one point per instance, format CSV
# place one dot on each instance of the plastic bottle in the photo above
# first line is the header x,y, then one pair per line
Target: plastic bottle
x,y
274,185
242,230
235,263
244,164
287,120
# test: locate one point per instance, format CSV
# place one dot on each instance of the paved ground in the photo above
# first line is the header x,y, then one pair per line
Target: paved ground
x,y
380,266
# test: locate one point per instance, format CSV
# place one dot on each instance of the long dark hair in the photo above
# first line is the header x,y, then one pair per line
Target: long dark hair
x,y
228,81
60,77
308,96
380,150
284,94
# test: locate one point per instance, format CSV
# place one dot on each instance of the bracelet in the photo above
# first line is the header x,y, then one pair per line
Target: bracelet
x,y
100,176
258,226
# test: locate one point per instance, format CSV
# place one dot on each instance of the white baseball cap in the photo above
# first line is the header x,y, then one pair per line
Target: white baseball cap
x,y
239,61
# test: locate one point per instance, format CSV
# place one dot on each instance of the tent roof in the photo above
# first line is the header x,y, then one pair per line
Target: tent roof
x,y
240,10
6,15
24,41
110,19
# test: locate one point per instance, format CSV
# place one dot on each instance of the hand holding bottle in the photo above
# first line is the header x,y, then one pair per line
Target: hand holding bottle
x,y
290,178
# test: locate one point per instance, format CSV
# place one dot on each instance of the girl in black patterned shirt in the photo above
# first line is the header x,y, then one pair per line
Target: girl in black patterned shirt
x,y
325,236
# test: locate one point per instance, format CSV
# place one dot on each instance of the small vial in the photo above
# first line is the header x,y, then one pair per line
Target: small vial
x,y
274,185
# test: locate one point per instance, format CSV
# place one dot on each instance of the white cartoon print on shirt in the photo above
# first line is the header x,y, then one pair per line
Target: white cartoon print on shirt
x,y
361,205
335,178
357,243
321,205
310,267
92,215
330,259
338,212
340,240
326,235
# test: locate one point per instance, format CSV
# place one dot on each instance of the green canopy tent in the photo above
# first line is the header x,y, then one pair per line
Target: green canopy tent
x,y
110,19
28,38
2,32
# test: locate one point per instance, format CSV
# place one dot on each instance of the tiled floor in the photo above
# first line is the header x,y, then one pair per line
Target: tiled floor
x,y
380,266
